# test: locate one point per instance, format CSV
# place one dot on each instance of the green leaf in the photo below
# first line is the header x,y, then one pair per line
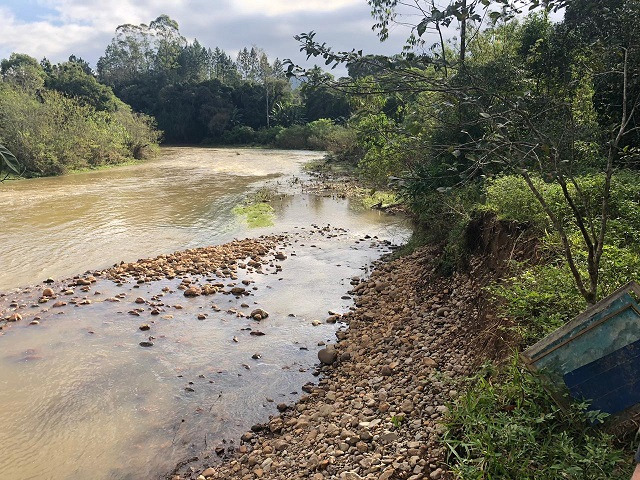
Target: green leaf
x,y
9,161
422,27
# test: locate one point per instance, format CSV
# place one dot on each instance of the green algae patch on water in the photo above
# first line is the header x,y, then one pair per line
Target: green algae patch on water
x,y
380,199
256,214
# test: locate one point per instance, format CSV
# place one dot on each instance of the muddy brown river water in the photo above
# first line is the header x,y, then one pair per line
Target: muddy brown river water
x,y
80,397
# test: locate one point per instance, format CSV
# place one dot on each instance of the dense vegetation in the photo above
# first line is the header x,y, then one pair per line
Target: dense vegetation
x,y
536,122
56,118
152,84
201,95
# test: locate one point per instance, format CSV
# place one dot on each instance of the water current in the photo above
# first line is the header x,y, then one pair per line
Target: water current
x,y
80,397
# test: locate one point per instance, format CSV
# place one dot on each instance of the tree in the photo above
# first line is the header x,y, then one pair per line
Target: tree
x,y
168,46
223,67
71,78
22,71
195,63
489,117
128,57
320,99
248,63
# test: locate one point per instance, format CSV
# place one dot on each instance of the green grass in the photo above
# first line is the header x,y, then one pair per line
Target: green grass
x,y
382,198
507,426
257,214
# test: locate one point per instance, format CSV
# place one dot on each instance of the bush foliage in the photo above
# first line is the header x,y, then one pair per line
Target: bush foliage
x,y
51,133
506,426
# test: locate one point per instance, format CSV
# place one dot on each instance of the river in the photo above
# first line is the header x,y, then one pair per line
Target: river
x,y
80,397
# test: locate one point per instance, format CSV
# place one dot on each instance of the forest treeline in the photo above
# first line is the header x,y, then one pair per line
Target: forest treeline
x,y
153,85
199,94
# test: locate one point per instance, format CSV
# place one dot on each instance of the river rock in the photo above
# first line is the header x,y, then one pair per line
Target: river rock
x,y
350,476
48,292
192,292
146,344
280,445
328,355
208,472
259,314
14,317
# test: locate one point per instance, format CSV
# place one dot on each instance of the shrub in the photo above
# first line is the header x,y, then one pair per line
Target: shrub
x,y
238,135
510,198
52,133
294,137
506,426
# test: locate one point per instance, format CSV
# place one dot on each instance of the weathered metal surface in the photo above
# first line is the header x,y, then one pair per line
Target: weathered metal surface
x,y
596,356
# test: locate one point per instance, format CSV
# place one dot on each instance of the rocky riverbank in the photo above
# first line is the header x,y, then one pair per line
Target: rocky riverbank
x,y
383,390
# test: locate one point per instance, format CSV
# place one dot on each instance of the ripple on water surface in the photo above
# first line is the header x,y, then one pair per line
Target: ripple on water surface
x,y
81,398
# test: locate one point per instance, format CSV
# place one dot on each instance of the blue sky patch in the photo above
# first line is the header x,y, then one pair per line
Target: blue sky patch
x,y
30,11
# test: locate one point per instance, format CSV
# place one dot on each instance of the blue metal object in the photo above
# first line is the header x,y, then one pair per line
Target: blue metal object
x,y
596,356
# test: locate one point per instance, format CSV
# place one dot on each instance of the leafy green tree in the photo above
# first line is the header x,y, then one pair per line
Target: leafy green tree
x,y
71,78
22,71
321,99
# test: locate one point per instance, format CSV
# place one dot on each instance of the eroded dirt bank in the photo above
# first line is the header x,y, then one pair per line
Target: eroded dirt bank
x,y
375,412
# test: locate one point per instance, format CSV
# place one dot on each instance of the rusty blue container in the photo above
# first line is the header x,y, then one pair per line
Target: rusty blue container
x,y
596,356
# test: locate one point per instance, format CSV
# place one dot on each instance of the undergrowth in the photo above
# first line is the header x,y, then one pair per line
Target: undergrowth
x,y
506,426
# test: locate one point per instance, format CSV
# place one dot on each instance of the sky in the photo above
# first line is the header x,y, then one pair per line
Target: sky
x,y
56,29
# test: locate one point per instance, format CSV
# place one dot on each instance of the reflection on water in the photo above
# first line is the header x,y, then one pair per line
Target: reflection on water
x,y
80,398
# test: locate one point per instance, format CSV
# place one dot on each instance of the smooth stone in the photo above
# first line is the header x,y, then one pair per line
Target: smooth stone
x,y
328,355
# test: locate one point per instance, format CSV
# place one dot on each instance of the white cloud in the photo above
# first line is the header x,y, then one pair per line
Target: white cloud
x,y
85,27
